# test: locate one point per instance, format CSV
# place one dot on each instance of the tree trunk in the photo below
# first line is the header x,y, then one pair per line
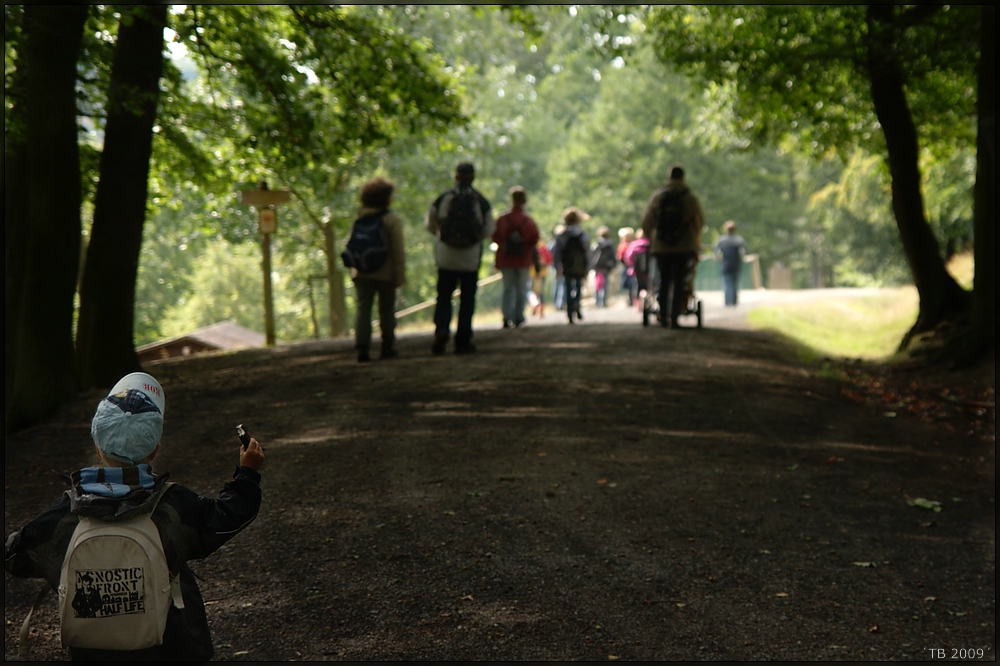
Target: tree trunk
x,y
941,298
104,342
335,278
44,345
984,295
16,216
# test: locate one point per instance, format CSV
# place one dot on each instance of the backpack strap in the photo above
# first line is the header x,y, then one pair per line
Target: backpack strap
x,y
176,597
22,642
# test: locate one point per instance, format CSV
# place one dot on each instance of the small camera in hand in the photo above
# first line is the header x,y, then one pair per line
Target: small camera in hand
x,y
243,435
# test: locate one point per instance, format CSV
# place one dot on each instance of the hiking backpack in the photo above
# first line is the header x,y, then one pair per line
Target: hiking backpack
x,y
115,589
575,262
640,260
606,256
670,226
367,248
461,220
513,245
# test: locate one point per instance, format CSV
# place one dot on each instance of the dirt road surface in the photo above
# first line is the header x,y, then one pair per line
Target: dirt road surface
x,y
601,491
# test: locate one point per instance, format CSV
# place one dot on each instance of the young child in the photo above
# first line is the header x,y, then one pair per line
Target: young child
x,y
540,268
636,260
126,430
571,257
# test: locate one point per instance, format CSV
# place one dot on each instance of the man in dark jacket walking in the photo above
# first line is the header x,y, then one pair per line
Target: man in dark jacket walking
x,y
676,251
460,218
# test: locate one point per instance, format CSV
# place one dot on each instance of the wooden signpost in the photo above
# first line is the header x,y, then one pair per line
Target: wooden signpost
x,y
265,201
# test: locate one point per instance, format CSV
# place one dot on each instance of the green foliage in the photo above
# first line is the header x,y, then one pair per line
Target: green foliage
x,y
230,288
584,116
644,119
801,69
799,76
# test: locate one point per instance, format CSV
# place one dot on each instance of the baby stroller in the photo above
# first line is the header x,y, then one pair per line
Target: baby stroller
x,y
649,290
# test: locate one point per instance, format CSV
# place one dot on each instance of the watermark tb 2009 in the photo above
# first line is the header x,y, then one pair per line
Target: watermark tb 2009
x,y
957,653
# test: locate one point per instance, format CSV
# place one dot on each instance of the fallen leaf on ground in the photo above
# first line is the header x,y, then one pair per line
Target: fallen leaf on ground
x,y
923,503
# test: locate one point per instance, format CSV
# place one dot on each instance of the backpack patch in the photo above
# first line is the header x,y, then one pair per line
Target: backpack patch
x,y
367,248
461,218
115,589
670,226
574,257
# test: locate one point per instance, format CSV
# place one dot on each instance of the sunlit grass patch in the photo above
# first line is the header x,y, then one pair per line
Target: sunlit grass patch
x,y
868,327
963,268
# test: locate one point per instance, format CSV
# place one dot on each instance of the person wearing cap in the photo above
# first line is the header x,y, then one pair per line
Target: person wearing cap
x,y
126,430
673,258
458,266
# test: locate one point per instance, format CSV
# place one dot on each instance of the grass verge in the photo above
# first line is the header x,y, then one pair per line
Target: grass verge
x,y
867,327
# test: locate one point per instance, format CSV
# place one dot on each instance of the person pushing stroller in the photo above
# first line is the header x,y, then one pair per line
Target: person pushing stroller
x,y
673,220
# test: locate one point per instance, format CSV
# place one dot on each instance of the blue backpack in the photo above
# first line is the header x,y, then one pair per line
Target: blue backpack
x,y
367,248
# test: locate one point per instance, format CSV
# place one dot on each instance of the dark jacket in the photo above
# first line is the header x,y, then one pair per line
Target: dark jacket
x,y
603,257
191,527
559,248
694,220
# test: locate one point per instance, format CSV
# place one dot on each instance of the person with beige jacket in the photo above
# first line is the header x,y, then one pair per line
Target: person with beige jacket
x,y
673,220
376,196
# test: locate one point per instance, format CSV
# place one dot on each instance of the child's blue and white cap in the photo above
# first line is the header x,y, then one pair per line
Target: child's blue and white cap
x,y
129,422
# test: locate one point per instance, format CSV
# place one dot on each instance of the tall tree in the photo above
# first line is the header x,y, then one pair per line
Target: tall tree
x,y
984,310
941,298
15,186
838,77
43,356
104,343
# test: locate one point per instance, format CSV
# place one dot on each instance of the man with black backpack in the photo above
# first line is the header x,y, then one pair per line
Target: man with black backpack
x,y
116,545
461,218
673,220
516,236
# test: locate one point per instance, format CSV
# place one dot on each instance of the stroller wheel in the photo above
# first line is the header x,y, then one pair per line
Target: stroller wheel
x,y
698,312
645,316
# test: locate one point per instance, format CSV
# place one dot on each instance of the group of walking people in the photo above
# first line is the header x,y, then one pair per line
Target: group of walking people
x,y
84,544
461,219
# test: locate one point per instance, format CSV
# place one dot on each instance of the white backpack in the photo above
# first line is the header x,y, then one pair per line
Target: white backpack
x,y
115,589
